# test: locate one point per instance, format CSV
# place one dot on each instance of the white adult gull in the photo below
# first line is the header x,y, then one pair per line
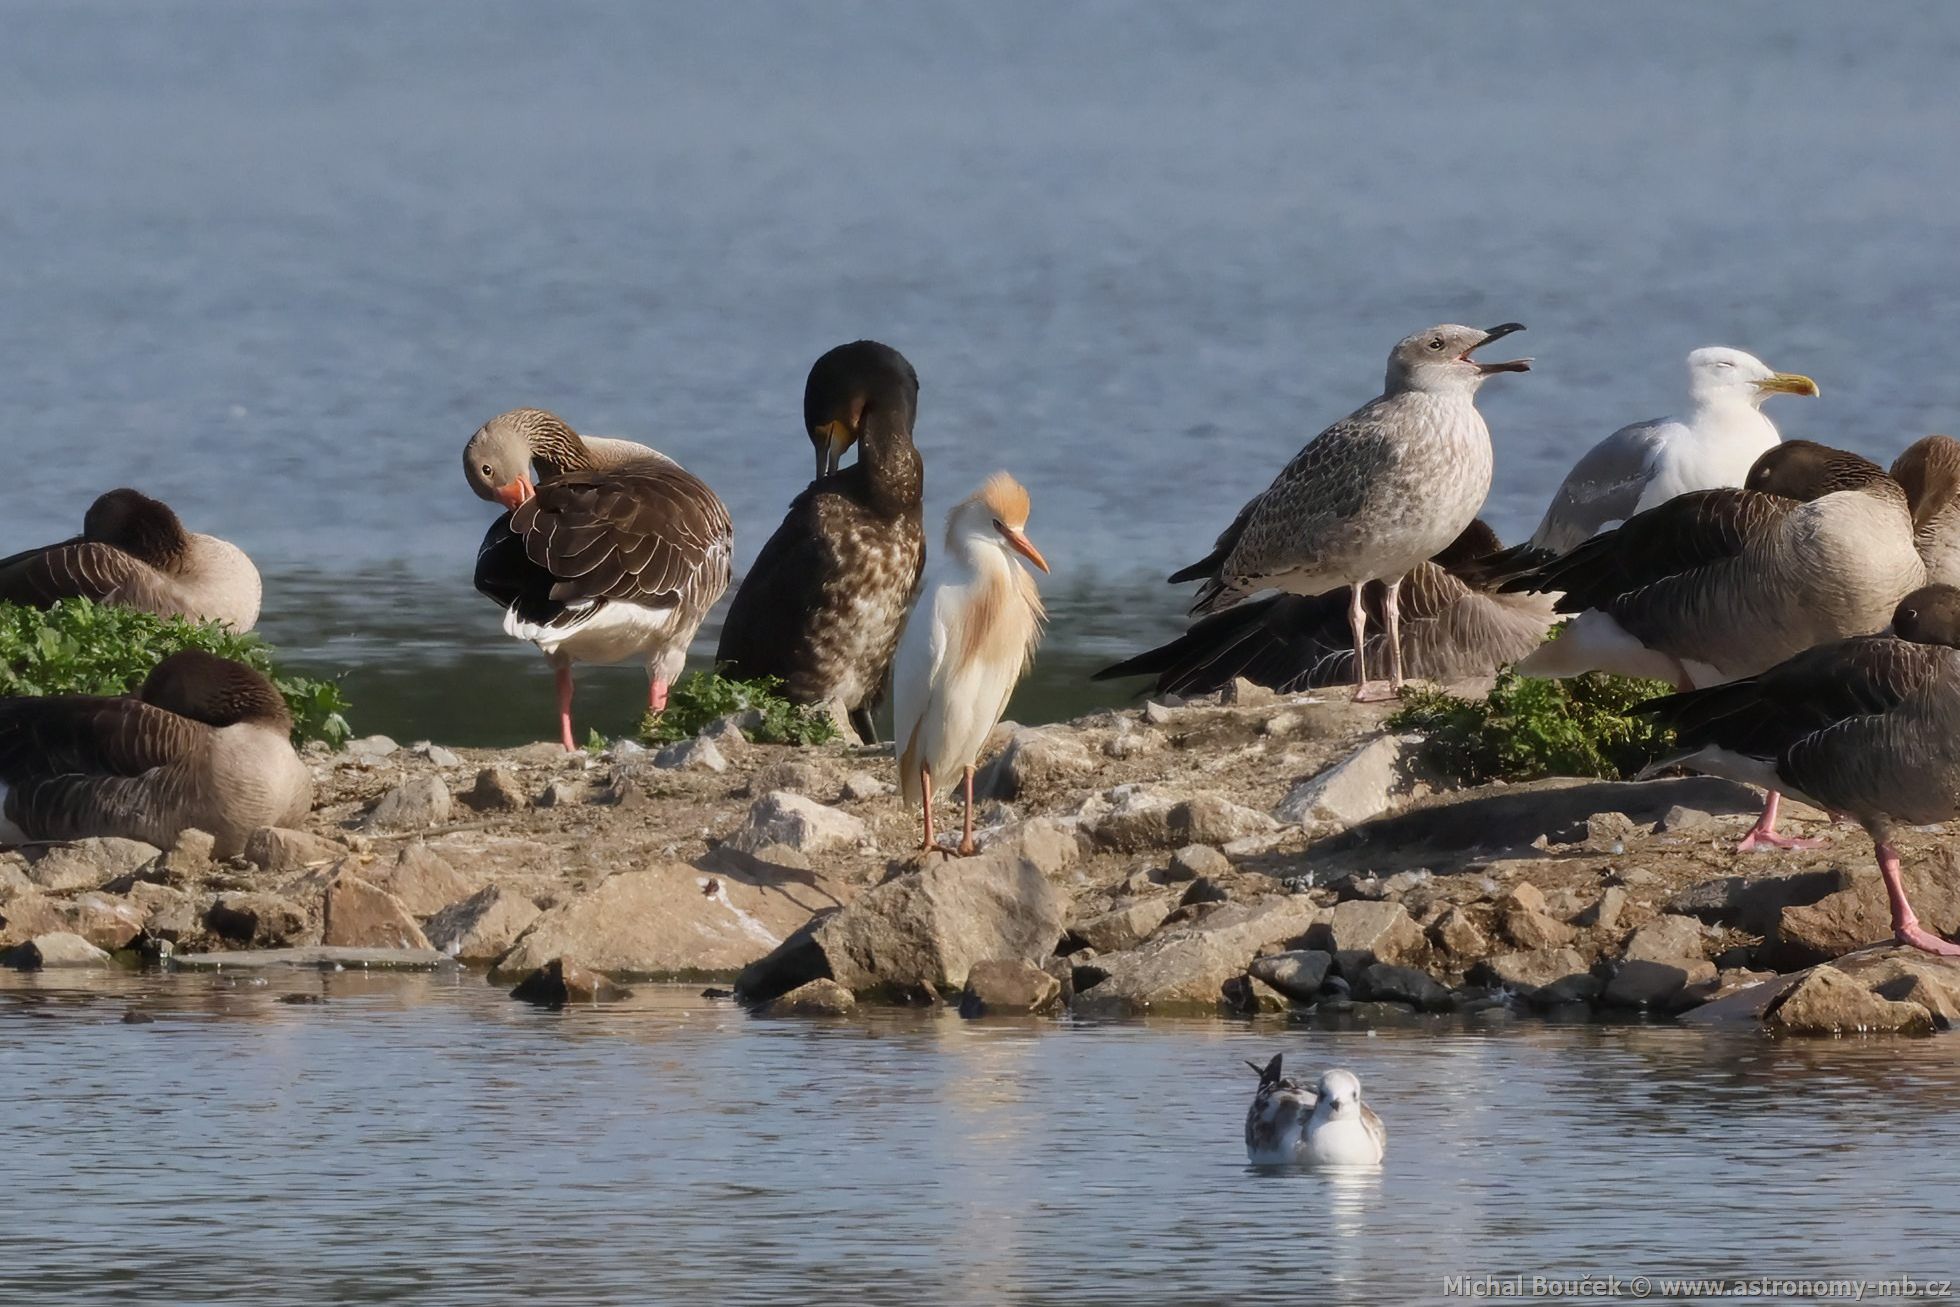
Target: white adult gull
x,y
1649,463
1372,496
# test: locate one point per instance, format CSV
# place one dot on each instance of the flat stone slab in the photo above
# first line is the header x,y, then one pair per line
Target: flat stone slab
x,y
319,957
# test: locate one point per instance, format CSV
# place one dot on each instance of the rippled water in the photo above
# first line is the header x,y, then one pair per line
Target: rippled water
x,y
275,262
427,1140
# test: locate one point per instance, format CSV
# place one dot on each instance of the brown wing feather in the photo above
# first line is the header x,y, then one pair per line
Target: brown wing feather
x,y
73,569
655,537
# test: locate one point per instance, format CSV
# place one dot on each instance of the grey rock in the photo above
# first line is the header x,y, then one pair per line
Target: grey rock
x,y
561,793
1241,693
496,790
1579,987
562,982
1753,903
927,928
190,854
1186,969
1646,982
1251,996
436,754
1003,986
1034,760
816,998
416,804
276,849
1828,1002
1195,860
316,957
862,786
800,823
1360,786
1124,926
1526,973
370,748
168,913
1386,983
1456,934
1158,713
1679,820
358,914
56,949
1296,973
794,776
1668,938
698,754
424,880
1605,911
483,927
105,921
1041,840
255,917
87,863
1360,933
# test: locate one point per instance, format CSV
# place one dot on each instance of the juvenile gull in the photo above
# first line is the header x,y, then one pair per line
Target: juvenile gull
x,y
1453,626
1868,727
1817,545
1649,463
1372,496
1327,1125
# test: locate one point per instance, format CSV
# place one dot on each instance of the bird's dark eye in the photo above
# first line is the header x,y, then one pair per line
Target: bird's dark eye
x,y
999,525
1436,342
488,471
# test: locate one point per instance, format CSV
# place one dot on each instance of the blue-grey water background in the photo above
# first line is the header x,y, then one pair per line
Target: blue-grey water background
x,y
426,1140
276,262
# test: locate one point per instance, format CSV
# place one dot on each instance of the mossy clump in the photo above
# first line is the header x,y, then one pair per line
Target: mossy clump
x,y
700,698
80,647
1528,728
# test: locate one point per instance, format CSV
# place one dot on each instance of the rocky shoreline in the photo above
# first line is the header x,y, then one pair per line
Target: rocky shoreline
x,y
1248,855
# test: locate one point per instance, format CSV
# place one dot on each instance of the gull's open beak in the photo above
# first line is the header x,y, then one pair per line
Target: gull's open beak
x,y
1021,545
1498,332
513,495
1787,383
835,438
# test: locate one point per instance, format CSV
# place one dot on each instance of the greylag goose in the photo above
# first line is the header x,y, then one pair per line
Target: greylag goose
x,y
204,743
1868,727
1371,497
133,552
967,643
1453,626
821,608
1646,464
1816,545
1929,472
612,552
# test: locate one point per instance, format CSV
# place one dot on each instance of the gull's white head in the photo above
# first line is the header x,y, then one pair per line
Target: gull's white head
x,y
1438,360
994,517
1339,1096
1717,374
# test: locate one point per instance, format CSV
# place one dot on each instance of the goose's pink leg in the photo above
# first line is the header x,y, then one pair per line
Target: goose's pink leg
x,y
656,695
1905,923
1763,833
564,678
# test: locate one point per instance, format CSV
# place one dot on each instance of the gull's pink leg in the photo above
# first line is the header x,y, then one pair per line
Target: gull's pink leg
x,y
1763,833
1358,623
1905,923
925,788
564,676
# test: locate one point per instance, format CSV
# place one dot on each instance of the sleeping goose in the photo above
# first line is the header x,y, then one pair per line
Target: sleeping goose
x,y
204,743
1816,545
822,607
1929,472
612,552
1644,465
1453,626
1868,727
133,552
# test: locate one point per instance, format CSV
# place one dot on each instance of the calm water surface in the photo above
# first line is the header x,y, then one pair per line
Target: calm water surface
x,y
427,1140
276,262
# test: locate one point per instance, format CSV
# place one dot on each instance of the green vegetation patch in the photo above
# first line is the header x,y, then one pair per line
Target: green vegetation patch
x,y
1528,728
700,698
80,647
